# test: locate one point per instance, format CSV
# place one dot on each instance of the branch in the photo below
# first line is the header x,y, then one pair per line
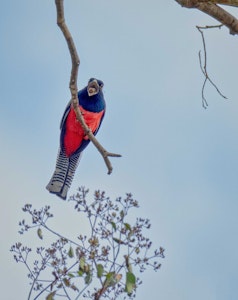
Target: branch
x,y
226,2
215,11
54,281
204,65
73,84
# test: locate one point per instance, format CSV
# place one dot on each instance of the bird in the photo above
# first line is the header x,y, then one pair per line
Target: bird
x,y
73,140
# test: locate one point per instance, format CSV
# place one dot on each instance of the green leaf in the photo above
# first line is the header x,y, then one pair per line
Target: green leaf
x,y
82,266
82,262
88,278
114,226
87,268
130,282
128,226
130,234
118,241
71,252
110,275
100,270
39,233
80,273
109,279
66,282
112,279
71,275
122,214
50,296
128,265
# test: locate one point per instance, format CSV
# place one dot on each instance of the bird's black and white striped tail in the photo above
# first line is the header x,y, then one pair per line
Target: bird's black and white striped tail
x,y
63,174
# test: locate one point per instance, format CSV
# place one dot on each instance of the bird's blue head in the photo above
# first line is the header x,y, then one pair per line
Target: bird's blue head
x,y
94,86
91,97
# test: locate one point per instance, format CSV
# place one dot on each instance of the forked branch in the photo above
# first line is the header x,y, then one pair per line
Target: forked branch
x,y
203,65
211,8
73,84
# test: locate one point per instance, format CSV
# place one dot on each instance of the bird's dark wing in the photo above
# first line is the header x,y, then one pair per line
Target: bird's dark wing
x,y
66,112
96,131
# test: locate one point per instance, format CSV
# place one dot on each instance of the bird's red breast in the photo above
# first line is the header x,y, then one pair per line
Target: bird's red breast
x,y
74,133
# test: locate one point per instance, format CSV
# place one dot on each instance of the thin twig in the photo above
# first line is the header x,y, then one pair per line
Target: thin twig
x,y
69,240
204,65
54,281
215,11
81,292
73,84
36,278
65,291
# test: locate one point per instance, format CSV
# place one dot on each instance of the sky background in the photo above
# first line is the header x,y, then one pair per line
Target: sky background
x,y
178,159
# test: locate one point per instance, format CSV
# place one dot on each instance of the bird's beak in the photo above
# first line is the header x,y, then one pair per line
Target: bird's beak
x,y
93,88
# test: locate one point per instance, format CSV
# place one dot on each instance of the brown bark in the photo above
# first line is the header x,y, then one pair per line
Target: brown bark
x,y
211,8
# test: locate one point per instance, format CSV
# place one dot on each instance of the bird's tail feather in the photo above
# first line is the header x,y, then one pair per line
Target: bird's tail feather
x,y
64,173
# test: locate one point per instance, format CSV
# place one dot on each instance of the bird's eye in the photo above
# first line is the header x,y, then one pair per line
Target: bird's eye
x,y
101,84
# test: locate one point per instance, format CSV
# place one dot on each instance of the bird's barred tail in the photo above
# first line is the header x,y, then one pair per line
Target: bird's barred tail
x,y
64,173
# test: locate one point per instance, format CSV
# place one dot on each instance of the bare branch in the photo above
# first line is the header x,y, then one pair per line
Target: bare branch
x,y
73,84
204,65
226,2
215,11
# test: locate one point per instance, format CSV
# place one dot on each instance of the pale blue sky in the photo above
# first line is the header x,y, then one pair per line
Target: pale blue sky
x,y
179,160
